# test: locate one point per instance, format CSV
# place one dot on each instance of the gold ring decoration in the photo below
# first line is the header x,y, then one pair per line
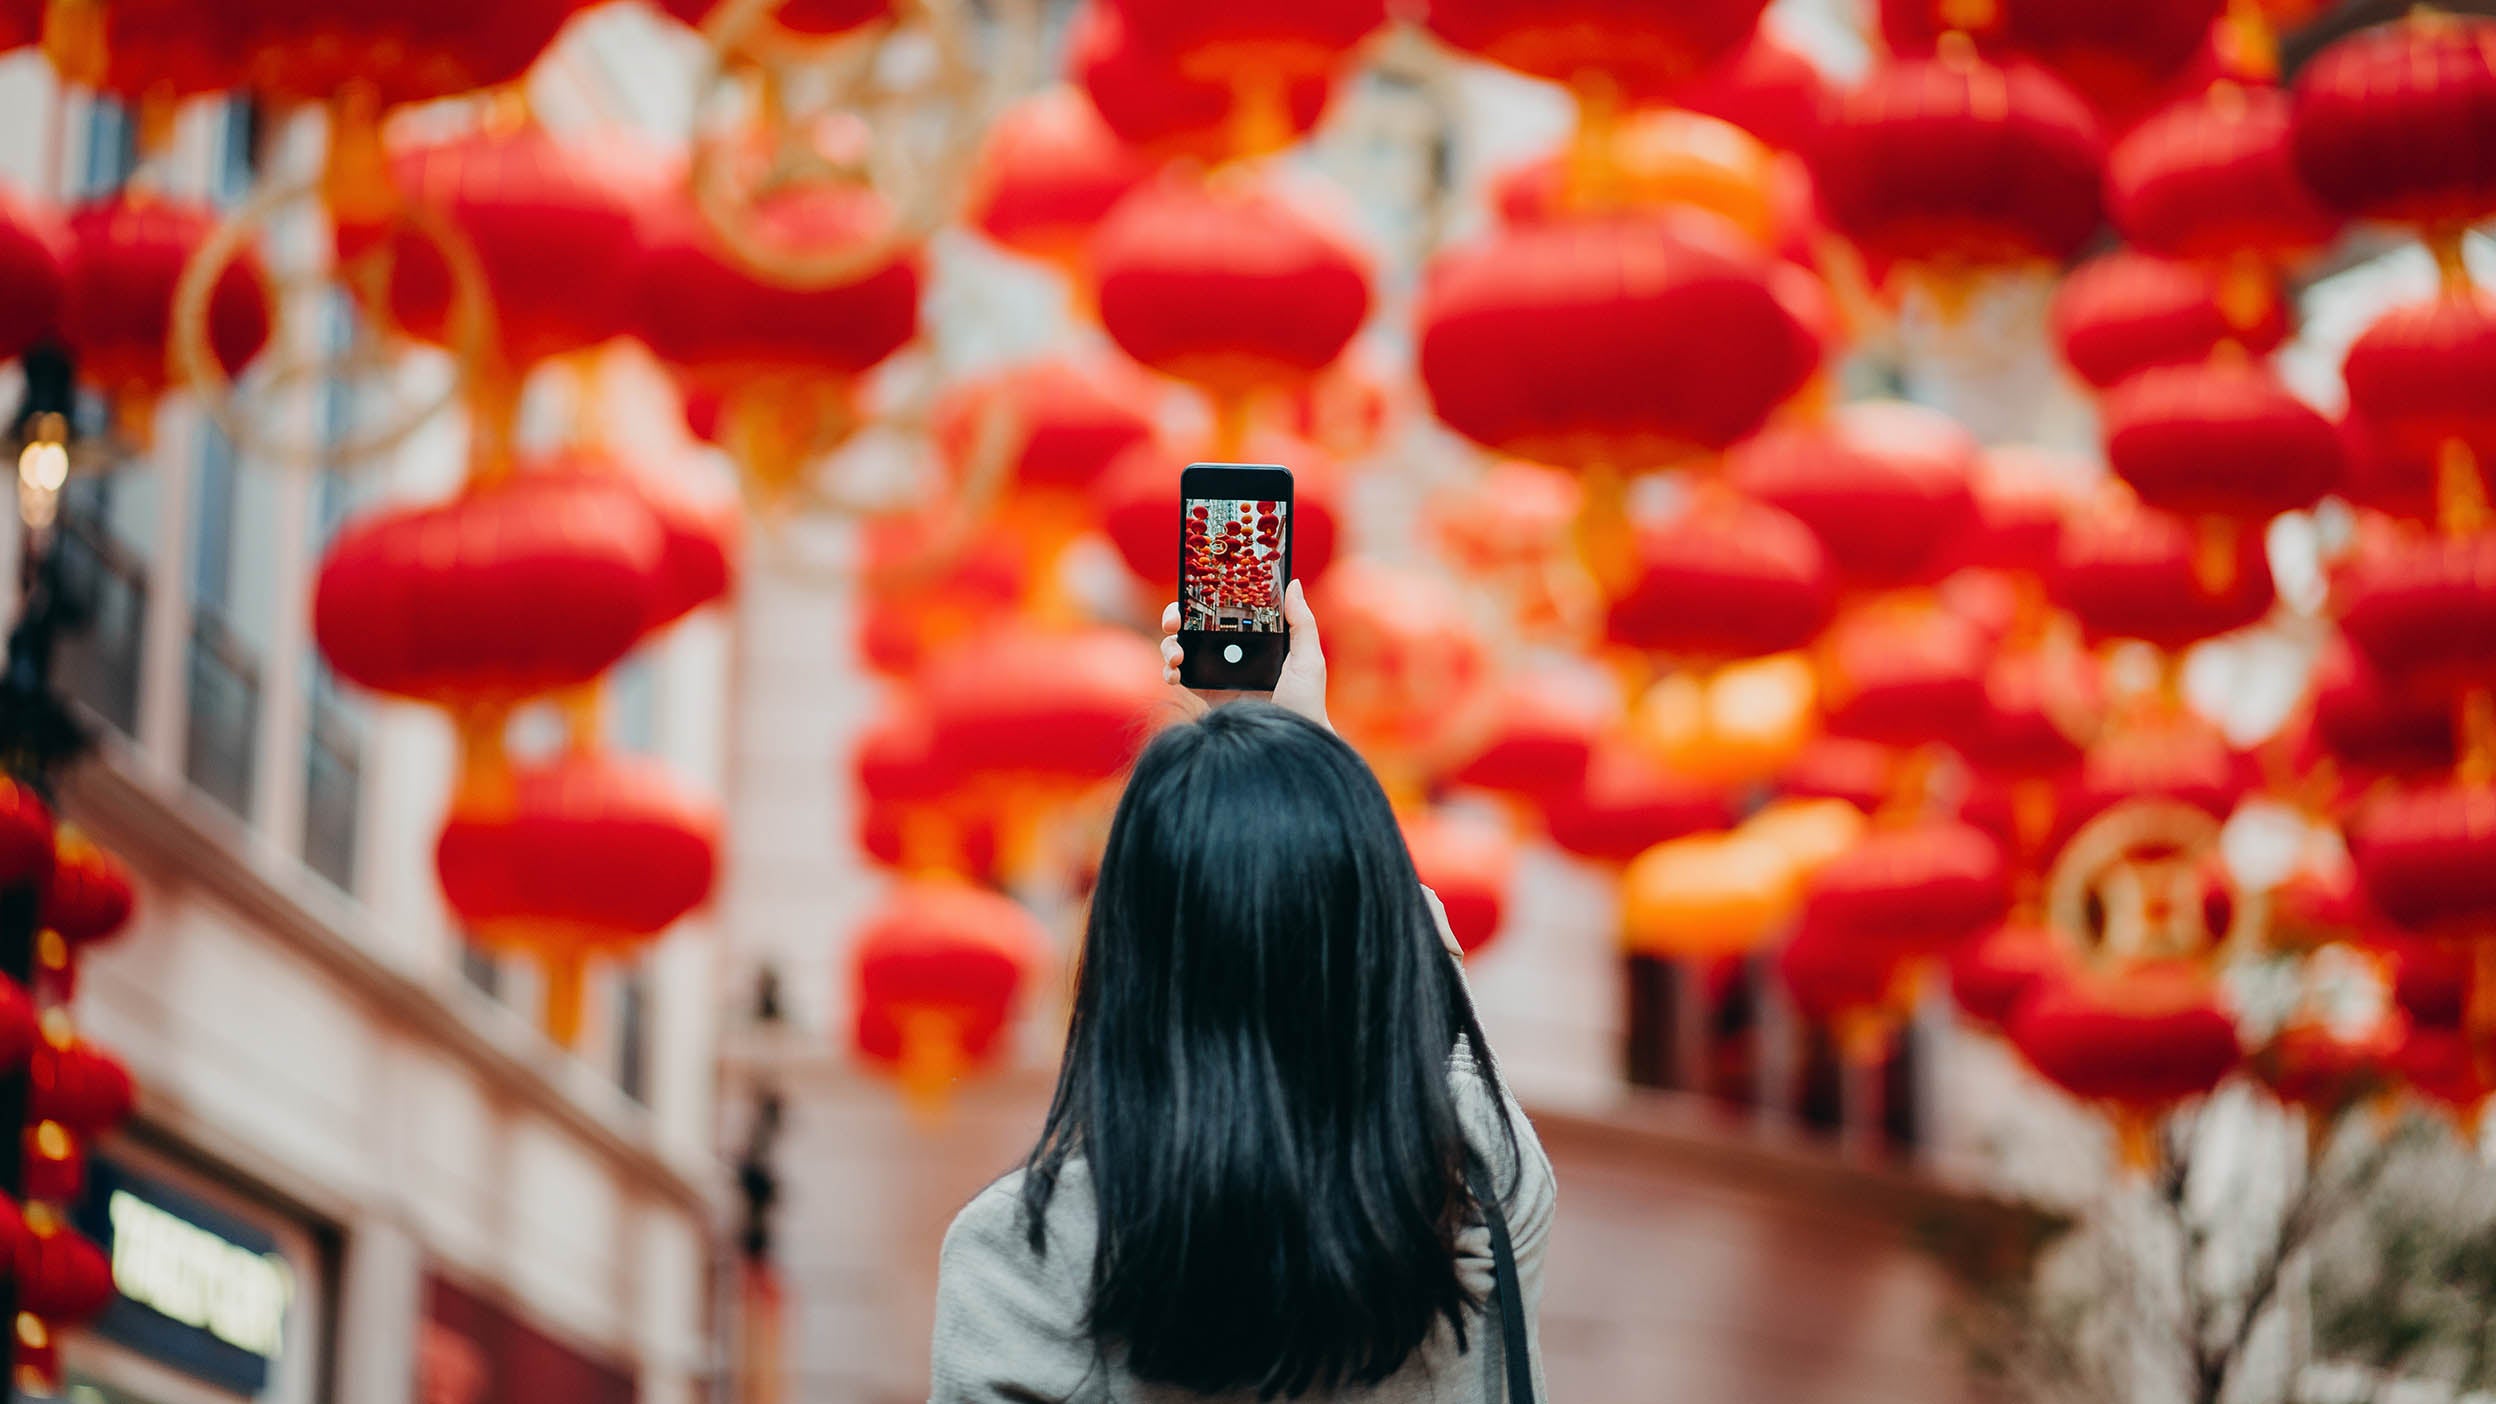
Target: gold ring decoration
x,y
917,140
996,444
195,362
2145,867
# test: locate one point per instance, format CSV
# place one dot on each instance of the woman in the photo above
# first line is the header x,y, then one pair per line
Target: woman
x,y
1253,1180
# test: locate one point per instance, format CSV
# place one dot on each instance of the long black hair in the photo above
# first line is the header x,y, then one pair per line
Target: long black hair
x,y
1256,1073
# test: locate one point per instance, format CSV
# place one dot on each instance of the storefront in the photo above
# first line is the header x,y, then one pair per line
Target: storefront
x,y
474,1351
225,1296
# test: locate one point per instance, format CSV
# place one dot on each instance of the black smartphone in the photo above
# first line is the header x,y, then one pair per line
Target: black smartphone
x,y
1234,560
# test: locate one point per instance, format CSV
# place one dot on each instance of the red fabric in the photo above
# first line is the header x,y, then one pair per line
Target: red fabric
x,y
592,849
2126,572
1627,342
948,949
1921,888
1470,865
2398,121
90,896
34,246
1889,488
2212,177
1627,805
1015,701
699,309
1966,164
1152,104
2226,438
1049,172
1991,975
2125,312
2418,378
126,253
2423,610
1066,420
1234,289
1644,49
1724,577
508,590
2145,1038
2427,856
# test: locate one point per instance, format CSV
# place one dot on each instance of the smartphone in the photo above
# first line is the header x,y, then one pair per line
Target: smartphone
x,y
1234,560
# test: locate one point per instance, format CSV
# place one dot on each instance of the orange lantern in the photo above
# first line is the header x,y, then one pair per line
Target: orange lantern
x,y
936,974
1706,895
1737,725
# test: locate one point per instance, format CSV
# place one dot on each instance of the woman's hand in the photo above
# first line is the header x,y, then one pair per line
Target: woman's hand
x,y
1301,687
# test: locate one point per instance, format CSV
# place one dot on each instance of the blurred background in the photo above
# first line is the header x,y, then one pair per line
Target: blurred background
x,y
1919,572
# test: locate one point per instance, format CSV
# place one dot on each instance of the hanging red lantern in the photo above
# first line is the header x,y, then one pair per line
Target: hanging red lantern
x,y
1888,487
1170,114
2126,572
33,247
2445,1066
935,976
2225,439
1768,88
2021,729
1065,421
1864,774
26,836
2368,724
125,255
2212,178
1405,663
2023,496
18,1029
2177,757
152,52
1251,45
552,224
923,594
1623,343
1903,677
2311,1066
1071,707
2423,610
1139,497
1862,990
1048,173
2417,379
1960,163
1723,577
1620,48
2120,53
698,558
1627,804
1231,288
89,896
61,1277
398,50
511,589
2430,979
78,1085
2426,856
1993,974
1541,734
54,1164
806,19
2138,1041
1470,864
2124,312
2398,122
1914,890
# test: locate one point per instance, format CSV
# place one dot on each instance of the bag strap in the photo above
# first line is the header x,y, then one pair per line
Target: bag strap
x,y
1510,1297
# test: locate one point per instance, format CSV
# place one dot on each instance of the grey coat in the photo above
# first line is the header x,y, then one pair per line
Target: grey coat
x,y
1009,1325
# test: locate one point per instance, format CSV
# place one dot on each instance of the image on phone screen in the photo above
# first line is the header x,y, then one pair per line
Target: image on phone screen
x,y
1233,565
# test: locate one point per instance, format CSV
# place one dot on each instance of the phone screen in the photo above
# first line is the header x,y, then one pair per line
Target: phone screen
x,y
1234,562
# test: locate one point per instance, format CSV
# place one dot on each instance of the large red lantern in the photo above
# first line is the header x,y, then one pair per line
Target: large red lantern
x,y
26,836
1992,975
80,1086
1767,88
2125,312
1050,171
1065,421
1723,577
397,50
1156,107
1625,343
2427,857
2120,53
2022,729
1052,707
2137,1041
61,1276
807,19
553,226
2398,122
1138,501
2225,439
2023,496
89,896
1469,863
2423,610
1232,288
1904,677
2212,178
2418,376
2312,1066
1541,735
511,589
2126,572
698,558
19,1032
156,52
33,245
125,255
1958,162
1627,804
1889,488
936,974
1623,48
2367,723
1249,46
1914,890
2177,757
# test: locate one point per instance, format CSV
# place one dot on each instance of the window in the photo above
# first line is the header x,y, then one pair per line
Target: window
x,y
632,1033
239,135
111,149
333,762
220,750
106,522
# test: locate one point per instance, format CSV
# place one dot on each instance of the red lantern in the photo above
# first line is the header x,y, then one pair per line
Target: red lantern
x,y
126,253
89,896
1406,662
2023,496
1859,985
2430,979
61,1277
2178,757
921,595
1627,804
1469,864
1887,487
1065,422
1625,343
1905,677
703,311
33,245
2423,611
1169,114
2019,731
1233,289
2398,122
18,1030
1914,890
2223,439
2445,1067
808,19
2368,724
2417,379
1992,975
2123,313
1050,171
2126,572
26,836
552,225
936,974
698,560
511,589
55,1165
1071,707
405,50
1724,577
1959,162
2120,53
2309,1065
588,851
2427,857
1542,734
1251,45
1862,773
2139,1041
1768,88
1139,497
80,1086
2212,178
1621,47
